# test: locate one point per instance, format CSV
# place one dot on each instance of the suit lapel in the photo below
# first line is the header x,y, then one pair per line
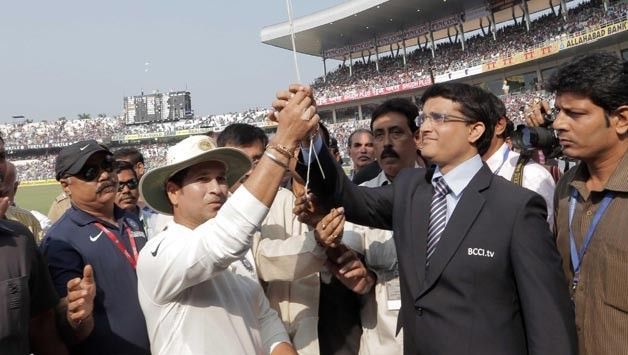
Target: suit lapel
x,y
458,225
420,216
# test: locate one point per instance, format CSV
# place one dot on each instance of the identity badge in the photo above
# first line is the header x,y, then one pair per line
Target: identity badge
x,y
393,294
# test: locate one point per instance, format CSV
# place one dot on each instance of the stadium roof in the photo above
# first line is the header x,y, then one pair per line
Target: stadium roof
x,y
359,21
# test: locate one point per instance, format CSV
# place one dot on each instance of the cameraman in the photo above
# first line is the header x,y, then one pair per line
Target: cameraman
x,y
512,166
592,198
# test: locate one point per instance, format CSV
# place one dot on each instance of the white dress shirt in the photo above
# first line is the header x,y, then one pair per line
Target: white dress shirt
x,y
535,176
198,291
457,179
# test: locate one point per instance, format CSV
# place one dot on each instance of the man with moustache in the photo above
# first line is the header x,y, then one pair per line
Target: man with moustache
x,y
151,220
393,128
95,231
128,192
360,147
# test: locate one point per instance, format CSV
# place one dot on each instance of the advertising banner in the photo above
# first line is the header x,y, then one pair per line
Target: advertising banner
x,y
426,81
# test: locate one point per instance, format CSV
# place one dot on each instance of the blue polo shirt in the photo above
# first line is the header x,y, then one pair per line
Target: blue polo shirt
x,y
75,241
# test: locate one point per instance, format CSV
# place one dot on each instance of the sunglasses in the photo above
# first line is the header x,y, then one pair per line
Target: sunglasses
x,y
131,184
90,172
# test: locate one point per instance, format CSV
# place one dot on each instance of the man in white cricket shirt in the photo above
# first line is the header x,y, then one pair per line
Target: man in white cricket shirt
x,y
197,288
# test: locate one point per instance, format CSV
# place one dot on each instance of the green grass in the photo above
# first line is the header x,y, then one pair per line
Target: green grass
x,y
37,198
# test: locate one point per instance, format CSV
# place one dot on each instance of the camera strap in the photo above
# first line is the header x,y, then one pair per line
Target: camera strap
x,y
517,176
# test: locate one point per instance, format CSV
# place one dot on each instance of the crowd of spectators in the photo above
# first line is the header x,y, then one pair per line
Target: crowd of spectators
x,y
59,132
450,57
518,103
46,134
19,136
254,116
35,167
41,167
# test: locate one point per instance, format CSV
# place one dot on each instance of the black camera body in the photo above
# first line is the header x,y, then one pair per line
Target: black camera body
x,y
528,139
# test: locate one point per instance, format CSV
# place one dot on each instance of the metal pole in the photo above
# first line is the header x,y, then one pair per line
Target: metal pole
x,y
493,26
403,43
376,58
563,9
350,64
462,35
526,13
432,42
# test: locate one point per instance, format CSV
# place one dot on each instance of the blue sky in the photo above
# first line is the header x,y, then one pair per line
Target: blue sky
x,y
65,57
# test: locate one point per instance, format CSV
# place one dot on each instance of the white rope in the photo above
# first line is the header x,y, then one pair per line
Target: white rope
x,y
294,47
298,73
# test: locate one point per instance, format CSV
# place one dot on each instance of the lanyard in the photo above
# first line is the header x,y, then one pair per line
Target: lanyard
x,y
116,242
506,152
578,255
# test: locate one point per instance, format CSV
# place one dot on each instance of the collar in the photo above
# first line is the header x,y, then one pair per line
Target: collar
x,y
5,226
495,160
380,180
83,218
618,181
460,176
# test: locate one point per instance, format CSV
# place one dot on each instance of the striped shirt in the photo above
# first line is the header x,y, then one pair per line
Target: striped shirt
x,y
601,298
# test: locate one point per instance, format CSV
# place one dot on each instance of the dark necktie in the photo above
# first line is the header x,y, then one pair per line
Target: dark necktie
x,y
438,216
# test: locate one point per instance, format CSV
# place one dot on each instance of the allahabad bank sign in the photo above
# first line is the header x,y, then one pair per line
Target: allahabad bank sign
x,y
594,35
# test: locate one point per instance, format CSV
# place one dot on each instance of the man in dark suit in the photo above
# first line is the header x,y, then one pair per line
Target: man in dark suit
x,y
479,269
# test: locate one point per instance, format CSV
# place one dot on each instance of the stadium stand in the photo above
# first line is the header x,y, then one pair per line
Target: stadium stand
x,y
33,145
450,57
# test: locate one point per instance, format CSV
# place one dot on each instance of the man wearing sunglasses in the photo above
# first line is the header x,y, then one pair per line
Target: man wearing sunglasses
x,y
95,231
128,194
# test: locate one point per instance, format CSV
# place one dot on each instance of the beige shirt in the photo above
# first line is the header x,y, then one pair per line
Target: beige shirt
x,y
58,207
288,260
381,305
25,217
601,298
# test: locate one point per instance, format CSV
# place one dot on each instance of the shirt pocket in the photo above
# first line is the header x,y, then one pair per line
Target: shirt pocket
x,y
13,307
615,280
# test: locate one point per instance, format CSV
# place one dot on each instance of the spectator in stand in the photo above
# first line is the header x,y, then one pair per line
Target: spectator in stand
x,y
450,56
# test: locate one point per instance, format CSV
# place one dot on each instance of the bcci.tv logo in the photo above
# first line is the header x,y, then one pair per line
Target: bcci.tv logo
x,y
481,252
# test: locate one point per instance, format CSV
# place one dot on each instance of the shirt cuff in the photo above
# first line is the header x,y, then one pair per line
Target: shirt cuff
x,y
305,151
275,344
